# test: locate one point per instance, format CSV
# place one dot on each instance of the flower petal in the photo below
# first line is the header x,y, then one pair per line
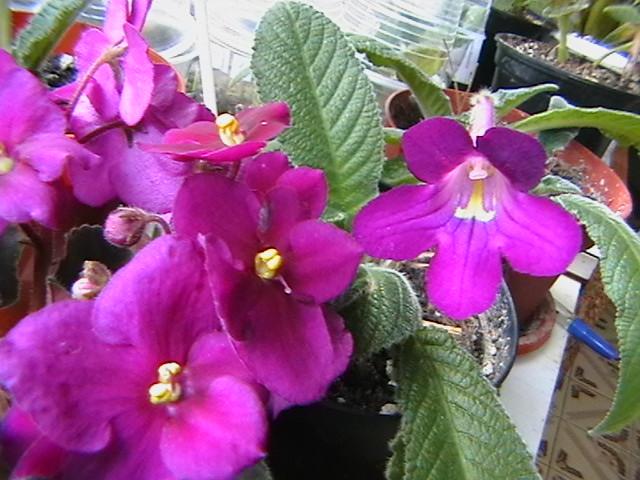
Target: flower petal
x,y
216,436
56,368
311,186
465,274
198,133
321,260
160,302
138,78
43,459
262,173
401,224
213,204
265,122
434,147
281,211
537,236
25,197
518,156
115,18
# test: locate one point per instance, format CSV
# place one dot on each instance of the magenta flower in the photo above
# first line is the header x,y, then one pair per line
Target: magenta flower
x,y
135,176
474,211
34,151
118,45
229,138
138,383
271,268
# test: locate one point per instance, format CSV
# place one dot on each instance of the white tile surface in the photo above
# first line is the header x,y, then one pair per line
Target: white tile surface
x,y
527,391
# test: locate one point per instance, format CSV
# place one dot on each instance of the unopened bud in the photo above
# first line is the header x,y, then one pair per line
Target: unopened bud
x,y
93,278
124,226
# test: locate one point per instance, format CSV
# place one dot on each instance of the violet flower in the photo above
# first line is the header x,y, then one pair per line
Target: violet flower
x,y
475,211
137,177
138,383
228,138
271,269
34,151
118,43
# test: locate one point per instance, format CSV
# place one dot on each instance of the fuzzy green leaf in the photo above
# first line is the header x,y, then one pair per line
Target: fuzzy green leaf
x,y
430,96
453,425
509,98
383,309
620,267
46,29
558,138
302,58
260,471
623,127
551,185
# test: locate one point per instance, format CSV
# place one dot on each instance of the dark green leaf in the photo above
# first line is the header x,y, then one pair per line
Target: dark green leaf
x,y
430,96
623,127
453,426
620,267
260,471
10,248
509,98
558,138
302,58
551,185
395,172
45,30
382,311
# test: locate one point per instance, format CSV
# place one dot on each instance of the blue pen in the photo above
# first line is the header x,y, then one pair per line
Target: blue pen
x,y
584,333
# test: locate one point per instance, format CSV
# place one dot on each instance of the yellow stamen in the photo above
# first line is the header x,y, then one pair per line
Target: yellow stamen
x,y
229,130
6,163
475,208
166,390
268,263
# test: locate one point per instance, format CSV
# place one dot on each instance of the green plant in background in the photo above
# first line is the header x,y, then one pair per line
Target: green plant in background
x,y
627,36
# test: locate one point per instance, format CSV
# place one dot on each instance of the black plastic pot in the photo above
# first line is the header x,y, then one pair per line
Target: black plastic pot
x,y
503,22
514,69
327,441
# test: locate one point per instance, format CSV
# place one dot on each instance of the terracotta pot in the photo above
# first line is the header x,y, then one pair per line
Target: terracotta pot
x,y
529,293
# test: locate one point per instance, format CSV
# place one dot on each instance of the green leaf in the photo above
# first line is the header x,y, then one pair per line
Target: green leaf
x,y
551,185
392,136
507,99
567,7
558,138
260,471
45,30
453,425
302,58
395,172
624,13
620,267
382,310
623,127
430,96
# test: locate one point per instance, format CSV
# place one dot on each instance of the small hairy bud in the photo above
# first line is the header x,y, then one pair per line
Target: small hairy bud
x,y
93,278
124,226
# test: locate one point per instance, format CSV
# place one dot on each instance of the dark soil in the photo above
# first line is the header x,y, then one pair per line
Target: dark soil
x,y
576,65
58,71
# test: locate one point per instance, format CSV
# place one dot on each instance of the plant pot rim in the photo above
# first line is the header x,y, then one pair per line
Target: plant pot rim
x,y
599,177
541,64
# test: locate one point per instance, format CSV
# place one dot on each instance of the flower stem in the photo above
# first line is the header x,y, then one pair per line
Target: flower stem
x,y
43,257
564,22
101,129
109,55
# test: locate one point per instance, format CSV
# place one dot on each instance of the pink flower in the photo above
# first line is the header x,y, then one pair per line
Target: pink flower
x,y
138,383
474,211
34,151
228,138
272,266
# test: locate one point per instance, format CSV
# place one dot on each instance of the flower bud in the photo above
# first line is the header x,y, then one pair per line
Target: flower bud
x,y
124,226
93,278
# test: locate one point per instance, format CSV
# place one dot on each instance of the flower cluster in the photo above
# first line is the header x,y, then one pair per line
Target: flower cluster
x,y
172,367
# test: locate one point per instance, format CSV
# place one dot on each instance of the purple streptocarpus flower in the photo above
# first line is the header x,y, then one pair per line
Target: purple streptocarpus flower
x,y
138,383
34,151
271,268
474,211
137,177
228,138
